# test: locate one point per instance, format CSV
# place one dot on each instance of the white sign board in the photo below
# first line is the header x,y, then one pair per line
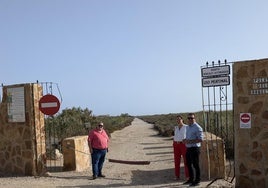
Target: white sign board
x,y
245,120
217,81
16,104
215,71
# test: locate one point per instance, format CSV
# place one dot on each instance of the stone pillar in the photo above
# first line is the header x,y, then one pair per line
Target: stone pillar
x,y
76,154
22,132
250,96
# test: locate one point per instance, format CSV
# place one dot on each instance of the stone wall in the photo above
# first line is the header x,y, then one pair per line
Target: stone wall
x,y
250,97
76,154
22,134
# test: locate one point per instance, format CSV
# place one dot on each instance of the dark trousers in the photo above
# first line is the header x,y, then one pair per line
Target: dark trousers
x,y
192,160
97,160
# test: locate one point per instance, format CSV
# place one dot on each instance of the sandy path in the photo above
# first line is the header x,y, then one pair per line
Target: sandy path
x,y
140,142
137,142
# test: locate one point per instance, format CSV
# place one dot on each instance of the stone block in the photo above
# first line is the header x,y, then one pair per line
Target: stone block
x,y
76,156
212,157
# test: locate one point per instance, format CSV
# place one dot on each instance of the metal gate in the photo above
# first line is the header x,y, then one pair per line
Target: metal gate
x,y
218,107
54,157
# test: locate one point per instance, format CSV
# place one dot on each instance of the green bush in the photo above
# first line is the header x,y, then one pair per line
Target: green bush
x,y
71,122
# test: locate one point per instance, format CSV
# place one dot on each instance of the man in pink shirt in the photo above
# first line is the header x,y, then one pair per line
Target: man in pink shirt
x,y
179,147
98,147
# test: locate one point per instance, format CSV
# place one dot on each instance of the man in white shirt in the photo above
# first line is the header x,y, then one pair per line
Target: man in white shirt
x,y
179,147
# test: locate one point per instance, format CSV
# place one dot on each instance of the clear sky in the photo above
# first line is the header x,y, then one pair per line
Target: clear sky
x,y
140,57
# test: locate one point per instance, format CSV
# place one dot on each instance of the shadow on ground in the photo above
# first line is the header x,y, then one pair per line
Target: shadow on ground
x,y
154,178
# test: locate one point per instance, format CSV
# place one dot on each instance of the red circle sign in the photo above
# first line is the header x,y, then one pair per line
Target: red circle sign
x,y
245,118
49,104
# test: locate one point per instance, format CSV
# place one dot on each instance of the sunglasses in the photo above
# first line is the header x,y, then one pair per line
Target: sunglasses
x,y
190,118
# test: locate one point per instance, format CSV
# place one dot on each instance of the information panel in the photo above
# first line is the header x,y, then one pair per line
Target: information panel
x,y
16,104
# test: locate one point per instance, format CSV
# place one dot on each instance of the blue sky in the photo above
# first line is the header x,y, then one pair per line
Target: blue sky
x,y
138,57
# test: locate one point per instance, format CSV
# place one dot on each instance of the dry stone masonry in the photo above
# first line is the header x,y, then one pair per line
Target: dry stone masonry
x,y
22,135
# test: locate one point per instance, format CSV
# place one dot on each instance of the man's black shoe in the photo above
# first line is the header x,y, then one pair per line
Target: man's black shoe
x,y
188,182
94,177
195,183
102,176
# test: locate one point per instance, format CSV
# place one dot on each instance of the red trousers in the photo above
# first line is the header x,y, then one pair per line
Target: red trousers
x,y
180,151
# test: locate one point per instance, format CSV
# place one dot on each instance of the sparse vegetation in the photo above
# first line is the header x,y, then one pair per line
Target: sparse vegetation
x,y
218,123
71,122
165,123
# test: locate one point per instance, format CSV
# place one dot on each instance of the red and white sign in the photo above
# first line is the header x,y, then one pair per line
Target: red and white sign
x,y
245,120
49,104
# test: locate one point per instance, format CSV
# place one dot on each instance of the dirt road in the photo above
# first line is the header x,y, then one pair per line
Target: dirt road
x,y
137,142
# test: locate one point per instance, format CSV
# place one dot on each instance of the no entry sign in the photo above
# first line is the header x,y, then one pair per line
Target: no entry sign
x,y
245,120
49,104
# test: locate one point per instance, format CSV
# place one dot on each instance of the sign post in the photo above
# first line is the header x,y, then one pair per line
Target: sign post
x,y
49,104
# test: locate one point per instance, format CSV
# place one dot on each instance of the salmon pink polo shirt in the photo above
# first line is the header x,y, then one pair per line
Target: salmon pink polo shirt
x,y
98,139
